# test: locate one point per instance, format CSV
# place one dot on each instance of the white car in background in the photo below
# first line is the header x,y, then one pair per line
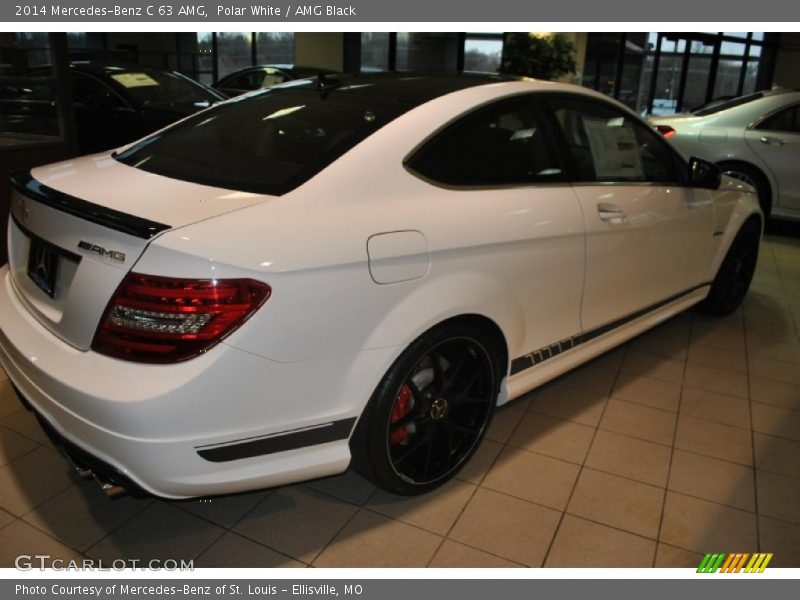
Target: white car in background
x,y
754,138
360,266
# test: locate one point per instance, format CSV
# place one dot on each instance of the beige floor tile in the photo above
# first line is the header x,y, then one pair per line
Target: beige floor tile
x,y
630,457
581,543
775,369
639,421
372,540
82,515
611,360
672,557
504,421
733,321
647,391
618,502
567,402
455,555
159,531
783,332
223,510
591,378
349,486
777,455
23,422
719,381
778,496
19,538
475,470
704,526
435,512
728,410
708,356
13,445
780,422
714,439
782,539
9,404
763,315
776,393
541,479
553,437
655,367
713,479
233,550
32,479
770,350
296,521
5,518
665,346
758,299
523,402
507,527
718,337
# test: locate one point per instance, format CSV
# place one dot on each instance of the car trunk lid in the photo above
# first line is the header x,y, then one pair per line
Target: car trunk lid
x,y
79,226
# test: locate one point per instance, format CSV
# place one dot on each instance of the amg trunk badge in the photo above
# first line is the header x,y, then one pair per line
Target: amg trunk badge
x,y
114,255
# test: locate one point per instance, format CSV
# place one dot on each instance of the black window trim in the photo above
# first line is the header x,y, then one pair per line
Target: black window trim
x,y
680,166
757,124
491,104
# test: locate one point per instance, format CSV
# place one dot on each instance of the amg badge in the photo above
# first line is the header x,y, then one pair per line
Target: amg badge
x,y
114,255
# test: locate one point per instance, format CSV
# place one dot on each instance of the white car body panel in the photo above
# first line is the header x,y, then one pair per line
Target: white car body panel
x,y
357,273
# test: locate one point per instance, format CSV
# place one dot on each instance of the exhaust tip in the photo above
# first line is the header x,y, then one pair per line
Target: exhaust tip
x,y
112,491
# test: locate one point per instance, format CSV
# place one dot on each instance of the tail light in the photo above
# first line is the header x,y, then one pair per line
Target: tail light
x,y
165,320
666,131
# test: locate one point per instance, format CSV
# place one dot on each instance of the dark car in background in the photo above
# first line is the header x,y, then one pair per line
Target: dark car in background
x,y
114,103
261,76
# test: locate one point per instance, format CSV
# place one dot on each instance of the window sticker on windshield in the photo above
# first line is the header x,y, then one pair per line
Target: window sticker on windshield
x,y
131,80
614,149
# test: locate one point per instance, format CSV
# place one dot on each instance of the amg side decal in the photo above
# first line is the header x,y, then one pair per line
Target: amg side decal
x,y
279,442
538,356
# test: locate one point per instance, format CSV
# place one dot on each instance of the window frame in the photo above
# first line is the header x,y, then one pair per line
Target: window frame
x,y
476,112
679,164
794,106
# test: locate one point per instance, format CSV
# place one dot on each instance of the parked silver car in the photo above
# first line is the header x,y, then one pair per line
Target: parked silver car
x,y
755,138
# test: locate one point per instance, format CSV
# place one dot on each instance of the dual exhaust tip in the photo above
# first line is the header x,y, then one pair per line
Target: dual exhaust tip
x,y
110,489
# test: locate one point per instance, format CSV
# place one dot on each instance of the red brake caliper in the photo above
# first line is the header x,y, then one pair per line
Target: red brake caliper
x,y
402,405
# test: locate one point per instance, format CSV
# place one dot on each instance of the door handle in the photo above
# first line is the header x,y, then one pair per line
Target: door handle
x,y
772,141
611,212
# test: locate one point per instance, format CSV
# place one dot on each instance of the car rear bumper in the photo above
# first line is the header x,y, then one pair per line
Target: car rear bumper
x,y
225,422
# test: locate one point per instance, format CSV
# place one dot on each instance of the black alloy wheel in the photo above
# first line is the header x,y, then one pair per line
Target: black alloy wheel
x,y
733,279
430,412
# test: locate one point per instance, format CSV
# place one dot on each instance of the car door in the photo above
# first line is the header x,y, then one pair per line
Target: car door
x,y
776,140
506,212
647,233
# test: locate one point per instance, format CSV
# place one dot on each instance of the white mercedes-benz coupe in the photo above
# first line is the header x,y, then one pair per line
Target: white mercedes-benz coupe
x,y
353,267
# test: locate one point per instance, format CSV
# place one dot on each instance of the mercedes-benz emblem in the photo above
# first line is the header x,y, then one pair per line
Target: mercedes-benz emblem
x,y
42,268
24,211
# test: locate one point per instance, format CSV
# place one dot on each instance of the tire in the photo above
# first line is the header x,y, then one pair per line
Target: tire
x,y
754,177
430,411
732,281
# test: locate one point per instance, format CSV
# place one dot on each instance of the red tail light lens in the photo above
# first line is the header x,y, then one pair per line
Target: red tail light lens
x,y
165,320
666,131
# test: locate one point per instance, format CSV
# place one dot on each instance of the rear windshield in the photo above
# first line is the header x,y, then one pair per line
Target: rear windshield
x,y
719,105
268,143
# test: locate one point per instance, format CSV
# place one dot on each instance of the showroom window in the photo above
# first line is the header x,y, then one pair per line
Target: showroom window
x,y
428,52
275,48
605,145
665,73
375,51
483,52
504,144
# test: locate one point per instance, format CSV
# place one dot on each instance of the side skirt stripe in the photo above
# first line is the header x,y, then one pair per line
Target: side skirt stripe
x,y
542,354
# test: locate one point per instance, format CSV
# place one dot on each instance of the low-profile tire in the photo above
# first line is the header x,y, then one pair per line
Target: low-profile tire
x,y
733,278
430,411
753,177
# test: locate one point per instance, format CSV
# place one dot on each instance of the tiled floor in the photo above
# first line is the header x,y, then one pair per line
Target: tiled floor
x,y
685,441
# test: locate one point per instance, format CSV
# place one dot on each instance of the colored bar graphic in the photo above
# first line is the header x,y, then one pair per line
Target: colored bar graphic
x,y
735,562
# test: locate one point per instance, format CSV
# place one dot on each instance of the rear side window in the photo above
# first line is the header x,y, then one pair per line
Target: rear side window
x,y
607,145
268,143
787,120
503,144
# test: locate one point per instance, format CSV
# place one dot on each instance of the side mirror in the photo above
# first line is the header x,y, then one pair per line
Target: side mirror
x,y
704,174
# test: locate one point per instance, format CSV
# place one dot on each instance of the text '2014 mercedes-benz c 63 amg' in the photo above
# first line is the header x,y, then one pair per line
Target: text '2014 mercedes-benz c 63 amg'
x,y
353,268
